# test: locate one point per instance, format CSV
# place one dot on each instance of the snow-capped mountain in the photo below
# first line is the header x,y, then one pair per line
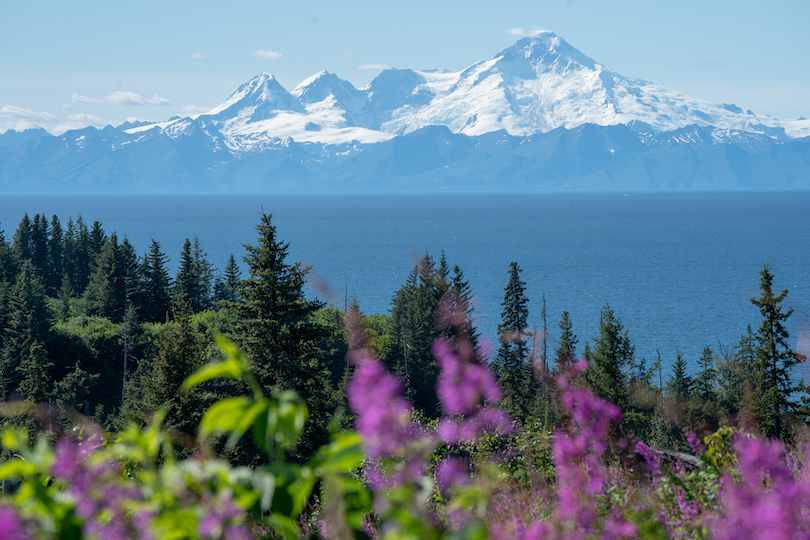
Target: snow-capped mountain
x,y
539,84
540,115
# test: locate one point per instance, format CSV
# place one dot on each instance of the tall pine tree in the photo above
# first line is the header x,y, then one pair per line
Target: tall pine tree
x,y
610,360
566,353
276,327
775,360
513,360
29,323
155,297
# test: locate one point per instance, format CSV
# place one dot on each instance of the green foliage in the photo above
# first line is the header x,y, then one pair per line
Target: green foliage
x,y
566,353
28,323
414,312
275,324
610,360
680,385
513,362
176,496
155,295
114,281
774,362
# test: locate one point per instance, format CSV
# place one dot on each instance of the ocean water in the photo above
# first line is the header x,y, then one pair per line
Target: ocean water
x,y
678,269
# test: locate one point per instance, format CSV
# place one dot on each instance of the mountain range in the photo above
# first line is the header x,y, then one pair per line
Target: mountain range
x,y
540,115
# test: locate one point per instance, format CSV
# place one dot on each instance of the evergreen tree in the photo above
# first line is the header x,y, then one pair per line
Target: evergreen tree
x,y
115,279
155,297
566,353
227,286
96,240
29,322
204,274
706,378
74,389
36,373
180,354
774,362
8,265
734,376
512,363
194,274
275,326
415,327
456,309
39,248
56,253
610,360
680,385
83,259
22,240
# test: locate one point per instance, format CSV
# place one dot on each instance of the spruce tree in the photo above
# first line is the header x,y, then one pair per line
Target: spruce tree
x,y
155,296
275,325
706,378
115,280
415,326
36,374
680,385
513,362
56,253
8,265
227,286
610,360
29,322
775,360
566,353
39,248
204,274
83,257
458,302
22,240
180,354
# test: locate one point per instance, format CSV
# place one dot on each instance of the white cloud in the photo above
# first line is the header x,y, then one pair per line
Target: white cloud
x,y
196,56
20,119
122,98
193,109
536,31
517,31
350,58
267,55
373,67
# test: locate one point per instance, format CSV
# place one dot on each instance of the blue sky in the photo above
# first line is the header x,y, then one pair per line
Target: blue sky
x,y
69,64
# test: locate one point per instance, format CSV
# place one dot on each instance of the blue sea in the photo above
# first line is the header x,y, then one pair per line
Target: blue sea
x,y
678,269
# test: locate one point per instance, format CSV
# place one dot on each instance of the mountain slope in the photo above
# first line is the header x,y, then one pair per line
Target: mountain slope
x,y
539,115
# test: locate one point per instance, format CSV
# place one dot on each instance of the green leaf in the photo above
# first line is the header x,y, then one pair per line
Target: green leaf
x,y
284,525
17,468
229,369
248,419
342,455
224,415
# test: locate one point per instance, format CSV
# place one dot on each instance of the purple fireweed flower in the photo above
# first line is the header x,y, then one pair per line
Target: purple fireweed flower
x,y
11,527
617,527
223,519
653,463
463,385
581,475
383,415
768,501
452,471
465,390
695,444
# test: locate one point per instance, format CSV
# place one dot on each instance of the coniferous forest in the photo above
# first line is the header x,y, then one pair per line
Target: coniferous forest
x,y
143,401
